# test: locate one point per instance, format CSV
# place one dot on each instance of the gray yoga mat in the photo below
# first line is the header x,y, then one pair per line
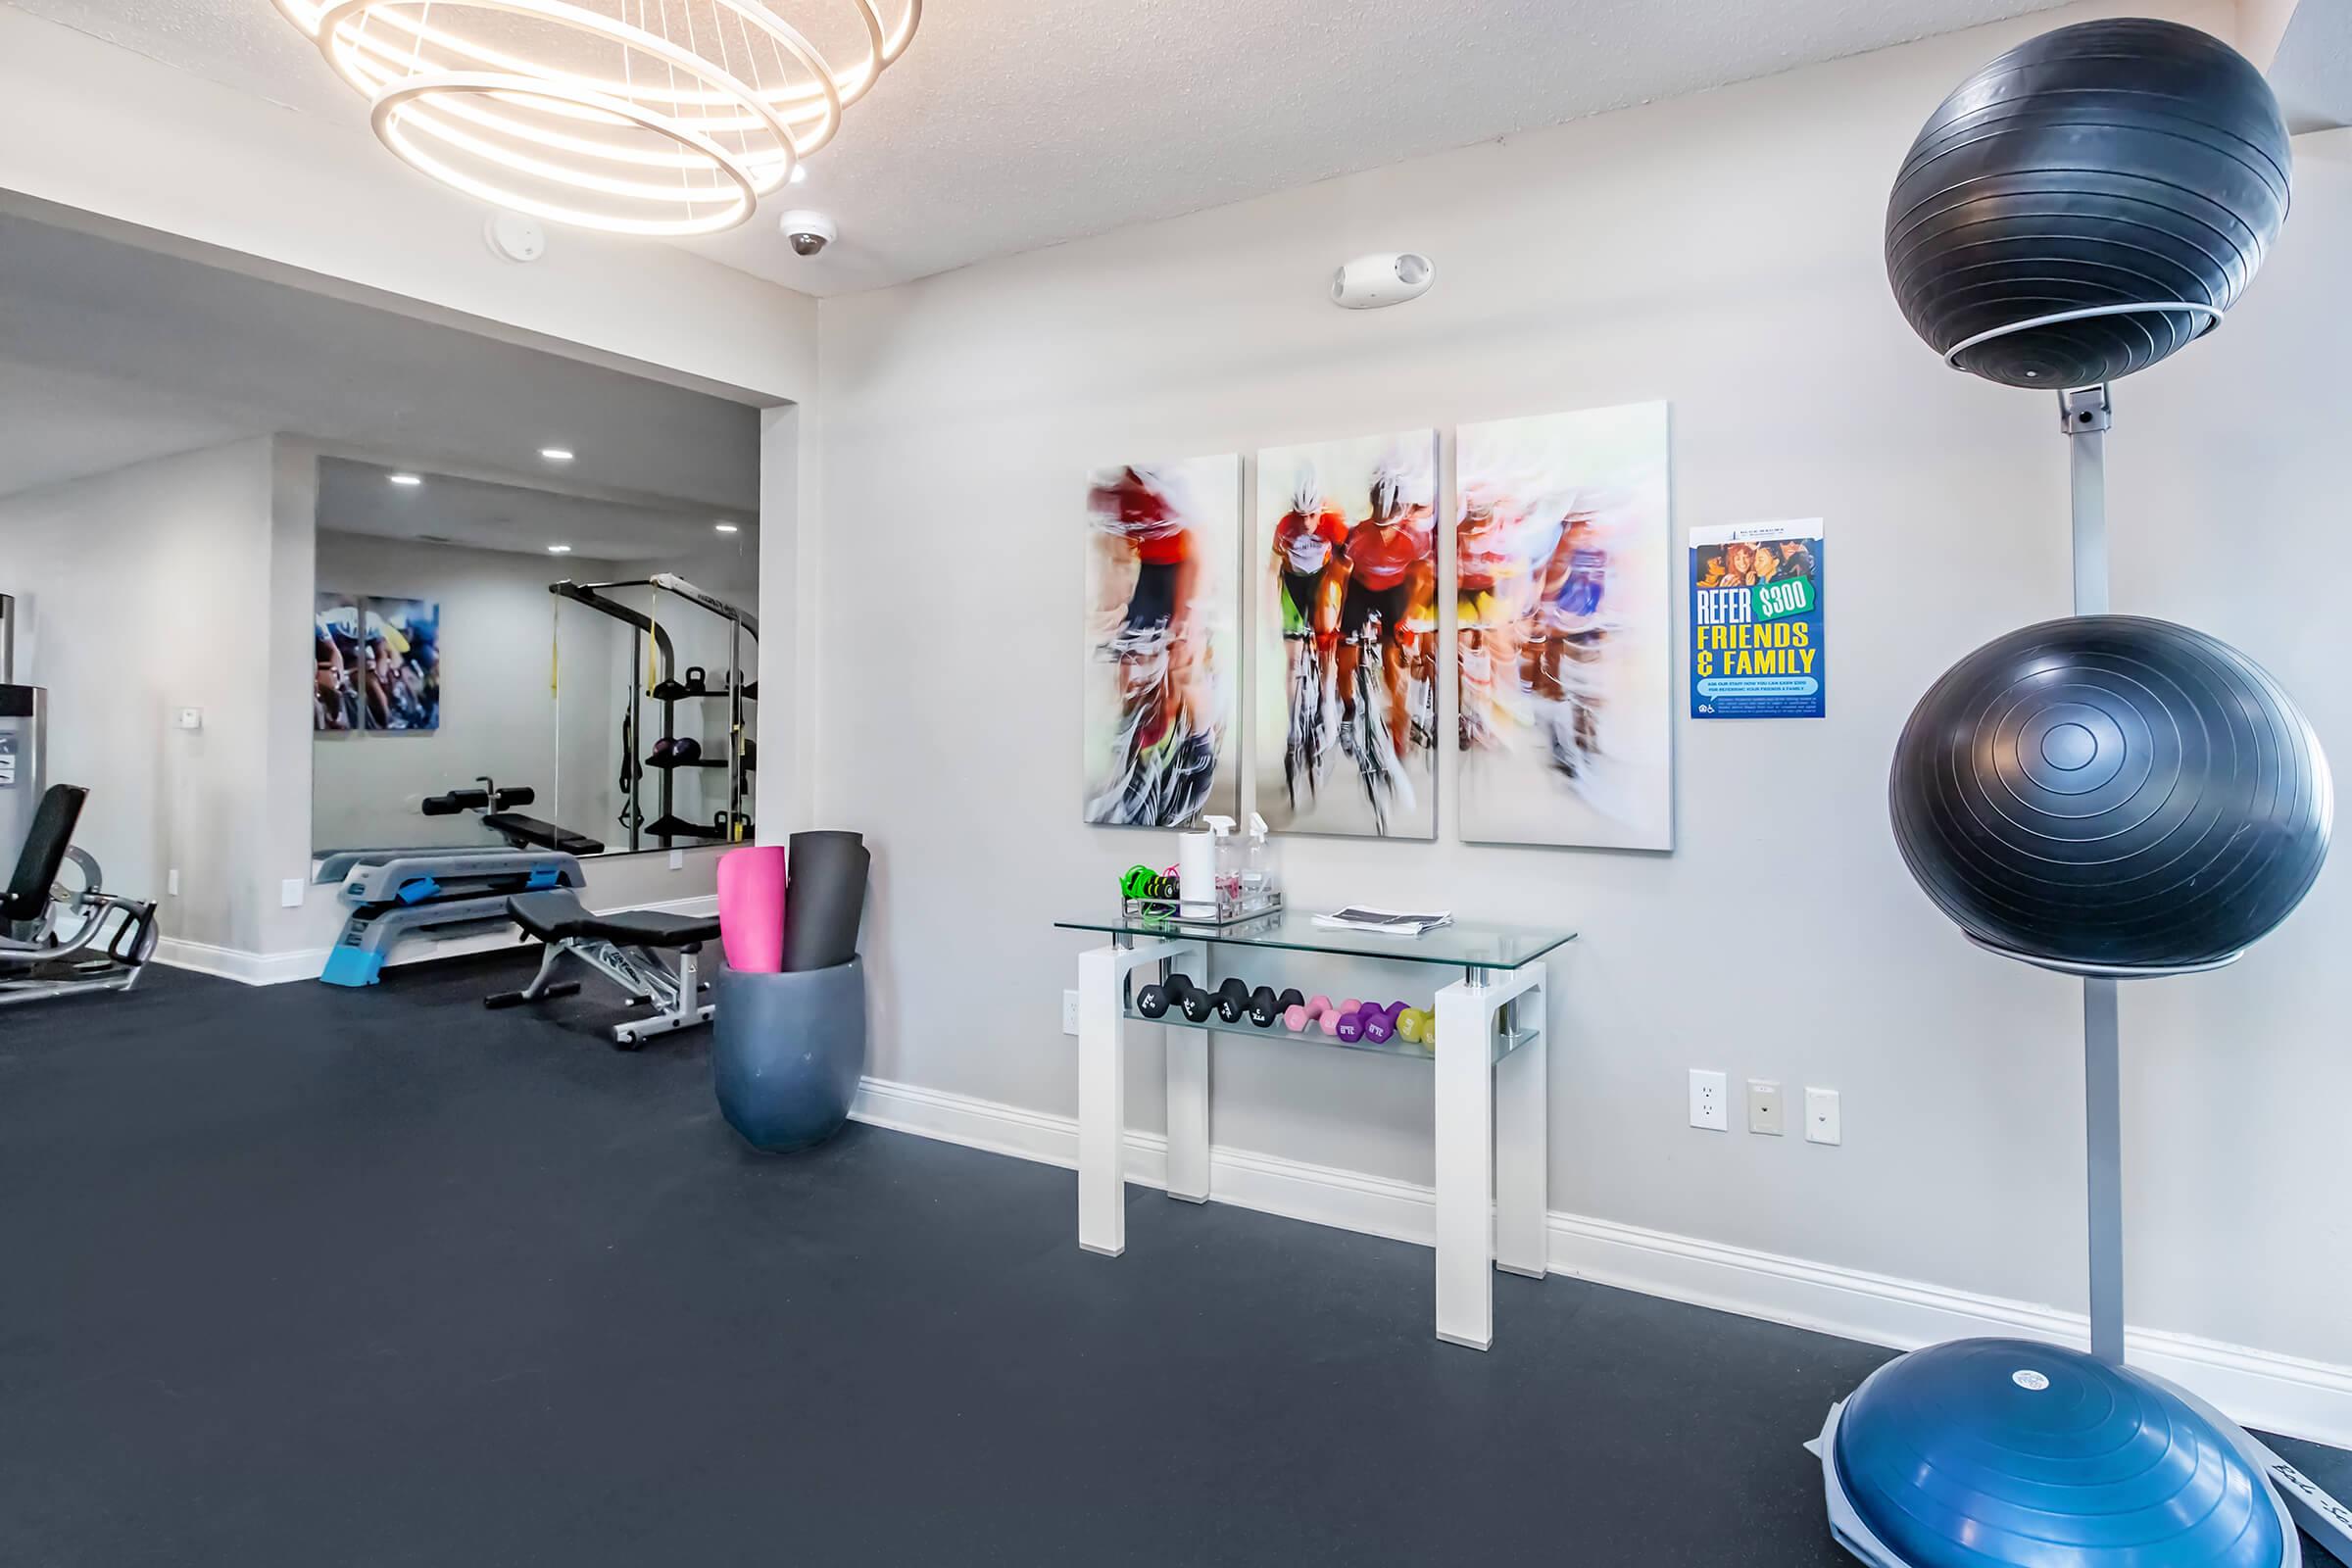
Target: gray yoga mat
x,y
824,897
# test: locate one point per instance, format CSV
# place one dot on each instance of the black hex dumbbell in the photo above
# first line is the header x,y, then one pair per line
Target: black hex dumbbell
x,y
1232,999
1196,1003
1264,1007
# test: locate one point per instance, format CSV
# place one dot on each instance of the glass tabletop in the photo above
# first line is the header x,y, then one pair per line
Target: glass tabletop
x,y
1463,945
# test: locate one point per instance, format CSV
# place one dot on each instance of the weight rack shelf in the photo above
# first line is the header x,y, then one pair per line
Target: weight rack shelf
x,y
1506,1041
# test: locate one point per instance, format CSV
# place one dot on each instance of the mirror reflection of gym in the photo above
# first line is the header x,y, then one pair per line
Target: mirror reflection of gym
x,y
500,665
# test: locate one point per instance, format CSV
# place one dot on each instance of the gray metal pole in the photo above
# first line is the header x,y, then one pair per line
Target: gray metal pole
x,y
2103,1136
2085,415
7,640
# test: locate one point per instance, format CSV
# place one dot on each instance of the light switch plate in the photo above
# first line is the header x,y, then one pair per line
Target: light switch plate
x,y
289,893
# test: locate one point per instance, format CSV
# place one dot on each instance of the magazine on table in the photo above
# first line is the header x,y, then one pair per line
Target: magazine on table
x,y
1384,922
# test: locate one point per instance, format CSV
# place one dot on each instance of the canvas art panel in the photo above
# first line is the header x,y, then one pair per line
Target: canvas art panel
x,y
335,676
402,658
1564,582
1162,642
1346,704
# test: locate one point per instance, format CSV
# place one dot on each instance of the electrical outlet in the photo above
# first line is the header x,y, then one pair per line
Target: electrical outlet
x,y
677,859
1764,1106
1710,1101
172,883
1069,1012
192,718
289,893
1821,1117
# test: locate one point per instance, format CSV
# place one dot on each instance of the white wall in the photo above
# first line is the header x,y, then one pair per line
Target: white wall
x,y
1722,252
144,590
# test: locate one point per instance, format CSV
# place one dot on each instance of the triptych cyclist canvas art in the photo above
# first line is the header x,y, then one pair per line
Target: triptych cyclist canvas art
x,y
1346,683
1163,642
1554,550
1564,578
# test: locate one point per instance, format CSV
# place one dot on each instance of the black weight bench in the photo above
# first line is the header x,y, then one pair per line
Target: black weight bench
x,y
622,946
530,833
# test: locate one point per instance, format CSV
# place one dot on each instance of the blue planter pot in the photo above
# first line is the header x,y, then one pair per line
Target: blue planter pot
x,y
788,1052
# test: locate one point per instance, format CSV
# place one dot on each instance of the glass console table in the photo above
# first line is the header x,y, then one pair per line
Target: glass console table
x,y
1492,1092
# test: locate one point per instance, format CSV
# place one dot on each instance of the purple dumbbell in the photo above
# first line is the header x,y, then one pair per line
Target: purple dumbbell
x,y
1381,1022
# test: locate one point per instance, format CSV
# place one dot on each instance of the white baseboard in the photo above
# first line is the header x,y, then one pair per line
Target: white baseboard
x,y
232,963
278,968
2291,1395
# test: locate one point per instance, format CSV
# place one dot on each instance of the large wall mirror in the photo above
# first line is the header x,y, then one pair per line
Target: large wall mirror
x,y
513,664
512,594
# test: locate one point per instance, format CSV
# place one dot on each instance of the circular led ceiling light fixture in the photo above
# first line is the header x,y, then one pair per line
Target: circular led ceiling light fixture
x,y
664,117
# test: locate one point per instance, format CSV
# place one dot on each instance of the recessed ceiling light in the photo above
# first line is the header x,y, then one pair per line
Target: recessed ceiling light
x,y
406,478
556,453
726,527
800,173
558,550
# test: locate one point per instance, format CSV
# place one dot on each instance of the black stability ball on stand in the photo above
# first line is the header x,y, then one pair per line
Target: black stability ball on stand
x,y
2087,203
2116,796
2111,791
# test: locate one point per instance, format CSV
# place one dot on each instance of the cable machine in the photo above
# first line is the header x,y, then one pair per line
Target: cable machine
x,y
663,684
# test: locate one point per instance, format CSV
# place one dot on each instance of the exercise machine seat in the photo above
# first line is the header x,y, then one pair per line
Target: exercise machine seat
x,y
558,917
529,831
44,856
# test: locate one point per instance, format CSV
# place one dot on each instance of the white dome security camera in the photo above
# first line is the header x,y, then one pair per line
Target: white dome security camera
x,y
808,231
1389,279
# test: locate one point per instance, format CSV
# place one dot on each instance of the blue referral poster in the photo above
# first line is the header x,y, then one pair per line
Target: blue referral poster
x,y
1757,646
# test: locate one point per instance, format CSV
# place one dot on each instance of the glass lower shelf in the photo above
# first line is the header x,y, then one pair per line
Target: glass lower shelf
x,y
1506,1041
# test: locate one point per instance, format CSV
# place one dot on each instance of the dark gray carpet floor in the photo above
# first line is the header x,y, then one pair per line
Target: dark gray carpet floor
x,y
306,1276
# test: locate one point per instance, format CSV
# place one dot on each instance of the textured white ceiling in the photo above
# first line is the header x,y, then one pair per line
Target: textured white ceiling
x,y
1013,126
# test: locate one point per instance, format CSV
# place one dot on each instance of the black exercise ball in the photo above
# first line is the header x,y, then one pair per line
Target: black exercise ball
x,y
2119,164
2111,791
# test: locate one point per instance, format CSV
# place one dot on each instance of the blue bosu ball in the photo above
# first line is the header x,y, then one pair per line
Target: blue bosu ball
x,y
1984,1452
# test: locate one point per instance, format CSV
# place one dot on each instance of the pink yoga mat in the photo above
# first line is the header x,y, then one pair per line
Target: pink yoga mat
x,y
751,909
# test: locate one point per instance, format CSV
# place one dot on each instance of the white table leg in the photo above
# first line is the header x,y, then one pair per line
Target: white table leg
x,y
1522,1148
1469,1084
1102,1090
1188,1114
1101,1102
1465,1151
